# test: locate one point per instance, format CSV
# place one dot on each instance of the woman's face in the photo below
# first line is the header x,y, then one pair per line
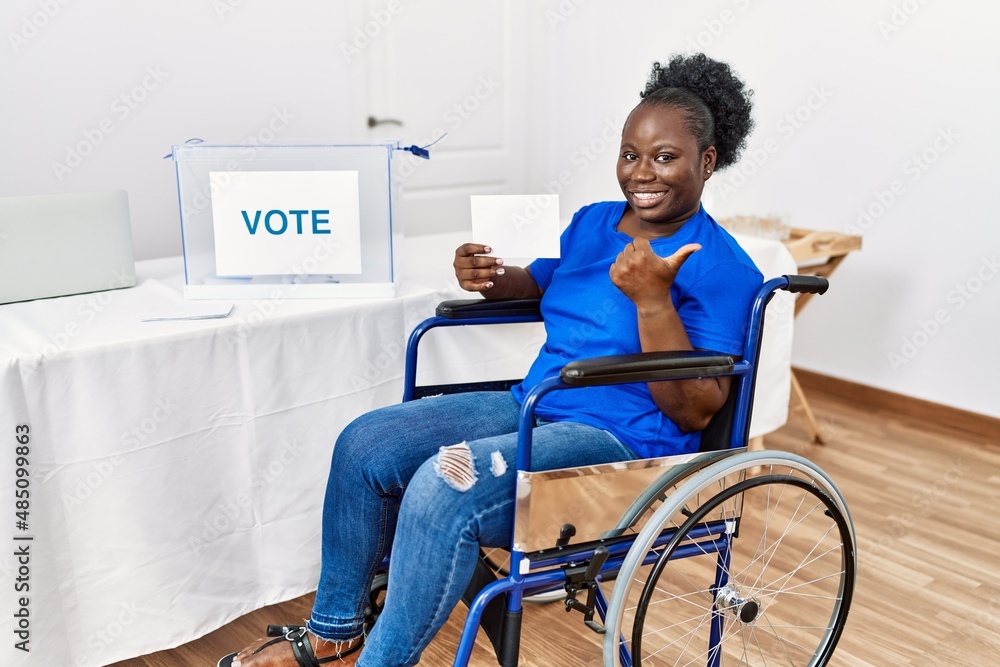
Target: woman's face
x,y
660,169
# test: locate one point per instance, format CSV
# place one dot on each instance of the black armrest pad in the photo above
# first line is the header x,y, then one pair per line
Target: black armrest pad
x,y
645,367
470,309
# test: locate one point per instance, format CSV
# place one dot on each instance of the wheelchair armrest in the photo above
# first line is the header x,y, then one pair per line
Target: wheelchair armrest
x,y
473,309
646,367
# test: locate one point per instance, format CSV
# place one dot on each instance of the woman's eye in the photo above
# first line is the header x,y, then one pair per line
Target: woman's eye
x,y
664,158
629,156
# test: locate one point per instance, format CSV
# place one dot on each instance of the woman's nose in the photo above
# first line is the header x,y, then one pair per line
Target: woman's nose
x,y
643,171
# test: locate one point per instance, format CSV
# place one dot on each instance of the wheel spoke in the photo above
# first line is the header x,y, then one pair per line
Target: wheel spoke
x,y
792,550
674,625
753,635
803,563
772,593
785,641
777,543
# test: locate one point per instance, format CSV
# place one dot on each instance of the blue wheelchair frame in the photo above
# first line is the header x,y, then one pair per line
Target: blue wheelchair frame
x,y
643,367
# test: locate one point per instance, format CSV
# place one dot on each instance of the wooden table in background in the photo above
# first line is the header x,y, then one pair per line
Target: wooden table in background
x,y
817,253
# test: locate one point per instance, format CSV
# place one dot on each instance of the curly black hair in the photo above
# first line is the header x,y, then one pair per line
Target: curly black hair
x,y
716,102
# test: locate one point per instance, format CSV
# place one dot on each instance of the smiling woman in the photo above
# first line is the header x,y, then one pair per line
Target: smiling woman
x,y
428,479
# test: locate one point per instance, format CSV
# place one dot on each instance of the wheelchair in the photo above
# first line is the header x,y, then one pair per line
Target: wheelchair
x,y
721,557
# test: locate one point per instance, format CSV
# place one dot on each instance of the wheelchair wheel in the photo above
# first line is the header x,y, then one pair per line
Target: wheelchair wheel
x,y
653,495
779,595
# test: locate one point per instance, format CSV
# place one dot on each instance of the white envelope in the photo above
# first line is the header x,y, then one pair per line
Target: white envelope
x,y
517,226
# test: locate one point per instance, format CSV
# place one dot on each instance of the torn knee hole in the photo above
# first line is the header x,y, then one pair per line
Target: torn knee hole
x,y
454,465
499,464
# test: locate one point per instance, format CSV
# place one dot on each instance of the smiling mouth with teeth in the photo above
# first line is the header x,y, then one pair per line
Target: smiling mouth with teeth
x,y
647,196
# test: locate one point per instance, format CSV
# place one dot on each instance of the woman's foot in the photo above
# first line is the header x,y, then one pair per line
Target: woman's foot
x,y
280,654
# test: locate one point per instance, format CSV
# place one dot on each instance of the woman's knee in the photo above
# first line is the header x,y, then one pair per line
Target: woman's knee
x,y
360,439
437,491
365,452
455,486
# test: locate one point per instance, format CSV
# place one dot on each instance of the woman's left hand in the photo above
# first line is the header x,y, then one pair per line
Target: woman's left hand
x,y
645,277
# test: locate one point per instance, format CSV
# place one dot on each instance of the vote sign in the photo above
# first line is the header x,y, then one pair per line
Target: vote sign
x,y
286,222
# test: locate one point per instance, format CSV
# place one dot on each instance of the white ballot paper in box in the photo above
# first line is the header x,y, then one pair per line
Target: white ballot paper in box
x,y
521,226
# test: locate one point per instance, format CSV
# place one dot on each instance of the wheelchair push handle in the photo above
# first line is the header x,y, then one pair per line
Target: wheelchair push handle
x,y
807,284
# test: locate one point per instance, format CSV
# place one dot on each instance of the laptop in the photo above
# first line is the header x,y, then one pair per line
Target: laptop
x,y
56,245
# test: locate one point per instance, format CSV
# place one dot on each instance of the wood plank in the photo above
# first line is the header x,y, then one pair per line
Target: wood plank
x,y
901,405
924,499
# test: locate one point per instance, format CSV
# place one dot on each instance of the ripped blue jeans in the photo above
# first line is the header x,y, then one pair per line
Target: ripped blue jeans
x,y
400,478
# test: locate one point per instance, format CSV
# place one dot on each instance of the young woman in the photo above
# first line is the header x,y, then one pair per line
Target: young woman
x,y
653,272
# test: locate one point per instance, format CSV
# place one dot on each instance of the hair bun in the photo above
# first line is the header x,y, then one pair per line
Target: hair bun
x,y
726,97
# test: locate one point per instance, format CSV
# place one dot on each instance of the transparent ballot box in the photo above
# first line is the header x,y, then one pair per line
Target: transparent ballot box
x,y
291,221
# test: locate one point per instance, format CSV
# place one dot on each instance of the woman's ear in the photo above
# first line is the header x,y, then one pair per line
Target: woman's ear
x,y
708,162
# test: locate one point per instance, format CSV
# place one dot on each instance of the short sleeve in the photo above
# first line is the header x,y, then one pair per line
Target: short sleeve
x,y
716,308
542,270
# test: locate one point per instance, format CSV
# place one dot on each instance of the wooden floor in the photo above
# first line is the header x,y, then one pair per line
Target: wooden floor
x,y
926,504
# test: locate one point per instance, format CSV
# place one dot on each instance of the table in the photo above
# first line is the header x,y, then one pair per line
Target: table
x,y
178,468
816,253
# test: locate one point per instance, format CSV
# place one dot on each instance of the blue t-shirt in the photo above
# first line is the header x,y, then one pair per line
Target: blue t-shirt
x,y
587,316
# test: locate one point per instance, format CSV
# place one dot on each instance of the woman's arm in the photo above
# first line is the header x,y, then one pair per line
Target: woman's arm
x,y
477,272
646,278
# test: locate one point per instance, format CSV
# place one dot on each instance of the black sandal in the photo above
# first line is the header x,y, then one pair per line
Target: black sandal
x,y
301,648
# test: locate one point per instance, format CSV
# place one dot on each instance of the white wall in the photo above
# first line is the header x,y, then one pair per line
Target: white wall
x,y
156,74
879,99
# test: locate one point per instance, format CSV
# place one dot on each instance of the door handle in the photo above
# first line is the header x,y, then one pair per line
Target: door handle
x,y
373,121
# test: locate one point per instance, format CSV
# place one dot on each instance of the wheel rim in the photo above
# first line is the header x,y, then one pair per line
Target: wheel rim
x,y
786,588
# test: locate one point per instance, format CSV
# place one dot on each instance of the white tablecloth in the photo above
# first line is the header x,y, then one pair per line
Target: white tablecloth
x,y
178,468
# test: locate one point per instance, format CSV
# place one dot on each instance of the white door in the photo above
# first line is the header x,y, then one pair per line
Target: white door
x,y
452,70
